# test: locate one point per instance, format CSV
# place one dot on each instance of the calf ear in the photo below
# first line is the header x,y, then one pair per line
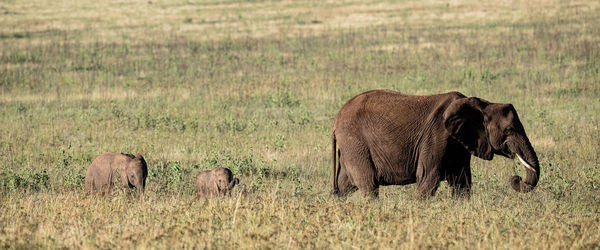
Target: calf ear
x,y
144,165
464,119
141,158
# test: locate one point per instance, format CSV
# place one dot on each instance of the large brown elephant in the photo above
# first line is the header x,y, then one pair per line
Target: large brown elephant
x,y
130,170
387,138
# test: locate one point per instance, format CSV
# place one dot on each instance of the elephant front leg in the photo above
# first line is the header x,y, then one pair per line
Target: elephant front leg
x,y
428,181
123,180
460,181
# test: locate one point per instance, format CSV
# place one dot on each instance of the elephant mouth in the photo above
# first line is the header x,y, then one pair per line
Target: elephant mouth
x,y
504,151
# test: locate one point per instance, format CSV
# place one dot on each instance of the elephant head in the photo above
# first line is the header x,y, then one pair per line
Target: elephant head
x,y
226,181
485,129
137,171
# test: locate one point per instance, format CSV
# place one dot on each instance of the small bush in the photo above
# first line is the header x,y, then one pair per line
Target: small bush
x,y
26,179
170,176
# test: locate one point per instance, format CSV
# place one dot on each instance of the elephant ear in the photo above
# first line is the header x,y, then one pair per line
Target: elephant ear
x,y
464,119
217,188
143,163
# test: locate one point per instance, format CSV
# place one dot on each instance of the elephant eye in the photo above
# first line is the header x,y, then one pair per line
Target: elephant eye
x,y
510,131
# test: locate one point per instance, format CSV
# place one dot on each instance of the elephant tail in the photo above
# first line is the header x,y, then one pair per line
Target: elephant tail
x,y
335,164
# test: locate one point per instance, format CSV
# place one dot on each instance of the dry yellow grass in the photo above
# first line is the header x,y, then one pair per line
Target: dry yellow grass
x,y
254,86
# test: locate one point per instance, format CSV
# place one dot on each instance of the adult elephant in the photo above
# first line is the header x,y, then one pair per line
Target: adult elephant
x,y
387,138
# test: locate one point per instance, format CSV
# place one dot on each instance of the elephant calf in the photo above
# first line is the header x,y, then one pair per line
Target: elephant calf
x,y
215,181
131,170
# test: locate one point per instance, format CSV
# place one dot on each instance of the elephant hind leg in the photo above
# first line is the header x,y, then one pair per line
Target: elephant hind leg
x,y
361,170
88,185
345,186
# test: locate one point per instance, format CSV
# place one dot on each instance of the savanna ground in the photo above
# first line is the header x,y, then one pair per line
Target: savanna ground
x,y
254,86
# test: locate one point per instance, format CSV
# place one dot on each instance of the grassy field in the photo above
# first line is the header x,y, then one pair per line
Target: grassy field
x,y
254,86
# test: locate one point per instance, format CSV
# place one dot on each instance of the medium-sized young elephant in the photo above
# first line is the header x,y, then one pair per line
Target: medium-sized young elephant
x,y
131,170
215,181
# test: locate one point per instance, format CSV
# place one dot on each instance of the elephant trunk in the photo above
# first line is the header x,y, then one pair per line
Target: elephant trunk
x,y
233,182
528,158
139,187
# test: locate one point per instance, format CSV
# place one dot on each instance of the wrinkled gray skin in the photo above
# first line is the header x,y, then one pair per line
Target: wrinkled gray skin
x,y
387,138
132,171
215,181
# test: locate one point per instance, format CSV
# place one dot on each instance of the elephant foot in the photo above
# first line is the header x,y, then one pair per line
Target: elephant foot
x,y
371,194
462,193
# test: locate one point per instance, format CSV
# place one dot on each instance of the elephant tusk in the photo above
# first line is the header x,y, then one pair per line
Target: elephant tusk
x,y
525,163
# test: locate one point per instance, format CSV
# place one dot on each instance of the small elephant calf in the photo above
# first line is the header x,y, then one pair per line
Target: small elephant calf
x,y
132,171
215,181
